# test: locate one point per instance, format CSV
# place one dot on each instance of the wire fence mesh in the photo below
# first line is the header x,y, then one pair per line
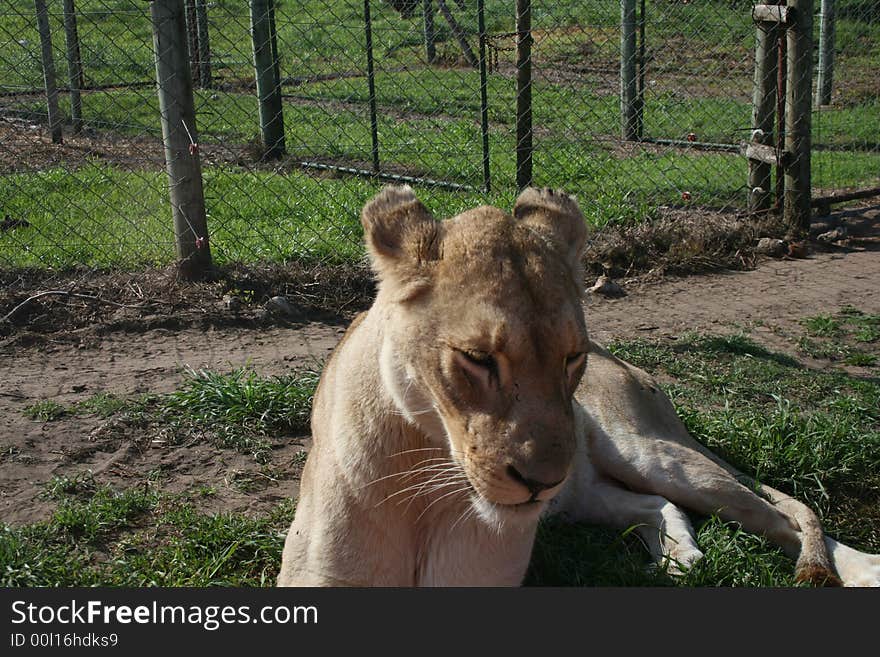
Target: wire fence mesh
x,y
637,113
846,123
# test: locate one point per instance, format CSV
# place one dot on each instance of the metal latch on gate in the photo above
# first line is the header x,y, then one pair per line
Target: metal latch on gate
x,y
773,14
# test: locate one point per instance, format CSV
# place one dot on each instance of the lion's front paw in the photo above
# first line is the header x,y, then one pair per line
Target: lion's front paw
x,y
854,568
680,559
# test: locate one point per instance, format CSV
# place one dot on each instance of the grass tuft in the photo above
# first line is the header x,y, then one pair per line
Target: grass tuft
x,y
240,409
46,410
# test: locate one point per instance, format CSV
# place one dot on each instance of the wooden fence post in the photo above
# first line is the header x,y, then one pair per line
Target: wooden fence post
x,y
179,134
74,65
826,53
763,113
798,109
268,87
48,58
629,97
524,148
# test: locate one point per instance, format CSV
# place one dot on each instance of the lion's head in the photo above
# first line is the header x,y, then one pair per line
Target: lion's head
x,y
484,338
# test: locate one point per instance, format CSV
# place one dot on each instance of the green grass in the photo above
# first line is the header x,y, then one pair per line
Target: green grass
x,y
239,410
45,410
824,325
299,217
233,410
100,404
138,537
62,486
91,231
850,336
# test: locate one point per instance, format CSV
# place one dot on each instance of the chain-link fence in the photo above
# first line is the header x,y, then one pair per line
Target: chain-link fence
x,y
303,109
846,118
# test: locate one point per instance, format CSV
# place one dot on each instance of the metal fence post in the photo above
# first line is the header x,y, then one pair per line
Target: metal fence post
x,y
484,95
430,48
74,65
204,44
276,57
763,113
179,134
826,53
192,39
371,87
199,46
642,65
798,109
523,93
49,71
268,87
629,97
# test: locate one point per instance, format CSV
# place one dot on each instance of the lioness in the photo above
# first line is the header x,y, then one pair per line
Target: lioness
x,y
452,416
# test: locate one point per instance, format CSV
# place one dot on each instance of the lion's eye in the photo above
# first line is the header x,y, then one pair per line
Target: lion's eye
x,y
479,364
481,359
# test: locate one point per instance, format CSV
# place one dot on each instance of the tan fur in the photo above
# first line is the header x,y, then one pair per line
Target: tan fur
x,y
446,422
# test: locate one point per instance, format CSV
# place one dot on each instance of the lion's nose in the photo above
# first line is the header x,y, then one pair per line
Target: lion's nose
x,y
535,486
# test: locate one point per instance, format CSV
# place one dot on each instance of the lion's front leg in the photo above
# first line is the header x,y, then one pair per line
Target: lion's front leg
x,y
664,528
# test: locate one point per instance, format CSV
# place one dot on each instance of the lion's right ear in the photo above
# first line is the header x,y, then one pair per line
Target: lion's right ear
x,y
402,238
556,215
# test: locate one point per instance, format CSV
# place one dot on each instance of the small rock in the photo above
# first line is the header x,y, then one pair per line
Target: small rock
x,y
798,250
607,287
231,302
834,235
770,247
281,306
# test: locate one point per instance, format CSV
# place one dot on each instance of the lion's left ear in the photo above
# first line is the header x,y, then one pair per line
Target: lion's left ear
x,y
556,215
402,239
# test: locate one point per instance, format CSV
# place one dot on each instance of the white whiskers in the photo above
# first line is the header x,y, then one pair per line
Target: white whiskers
x,y
433,476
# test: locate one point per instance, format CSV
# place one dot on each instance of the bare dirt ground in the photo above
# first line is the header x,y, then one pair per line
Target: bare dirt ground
x,y
125,359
